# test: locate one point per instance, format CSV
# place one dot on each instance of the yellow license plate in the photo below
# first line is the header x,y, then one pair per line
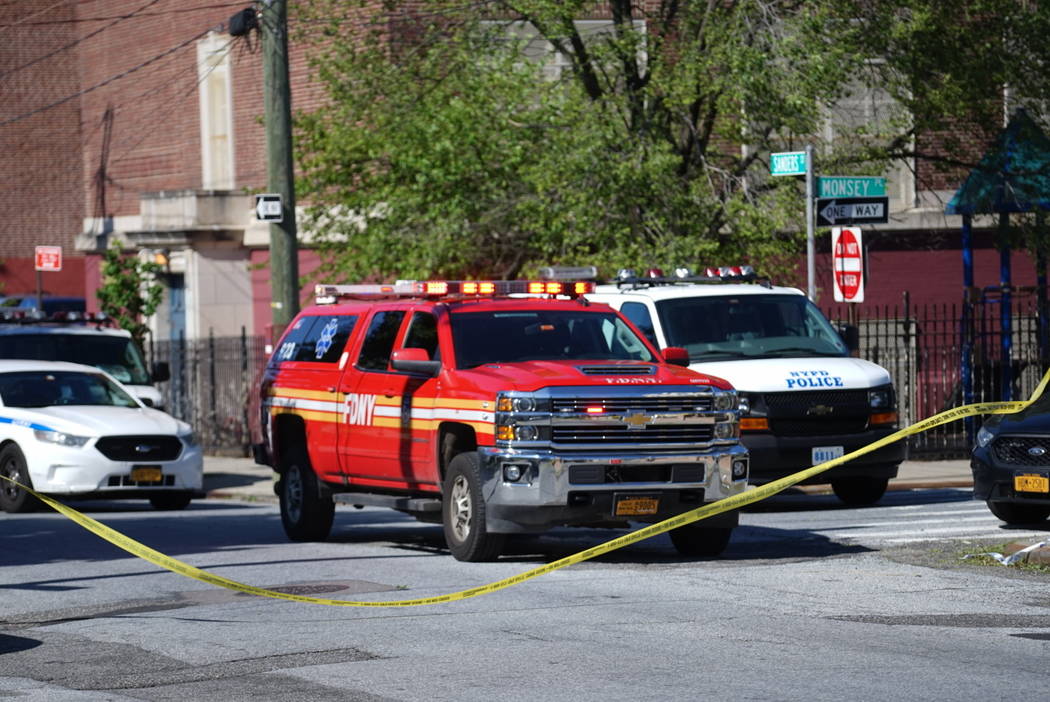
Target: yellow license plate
x,y
1031,483
146,474
636,506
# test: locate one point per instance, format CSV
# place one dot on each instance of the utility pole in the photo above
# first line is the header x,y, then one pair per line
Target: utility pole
x,y
284,245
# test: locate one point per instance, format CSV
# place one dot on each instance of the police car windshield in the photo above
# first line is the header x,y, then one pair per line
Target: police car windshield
x,y
537,335
117,355
53,388
730,327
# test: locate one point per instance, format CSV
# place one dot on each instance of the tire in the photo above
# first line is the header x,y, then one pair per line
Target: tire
x,y
1013,513
860,492
171,501
13,498
306,514
697,541
463,512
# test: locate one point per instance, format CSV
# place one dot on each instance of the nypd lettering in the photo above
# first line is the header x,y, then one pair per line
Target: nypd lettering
x,y
359,408
813,379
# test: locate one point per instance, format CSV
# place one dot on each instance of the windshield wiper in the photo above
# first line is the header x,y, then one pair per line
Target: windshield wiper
x,y
799,349
728,354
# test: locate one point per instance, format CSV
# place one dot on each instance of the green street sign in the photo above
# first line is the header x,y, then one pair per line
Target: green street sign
x,y
787,163
851,186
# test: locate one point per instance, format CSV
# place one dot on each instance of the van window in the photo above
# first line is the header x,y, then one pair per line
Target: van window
x,y
639,316
115,354
379,341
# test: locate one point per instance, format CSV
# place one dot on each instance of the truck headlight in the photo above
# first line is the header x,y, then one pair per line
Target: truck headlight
x,y
984,437
516,404
60,438
881,398
725,430
725,401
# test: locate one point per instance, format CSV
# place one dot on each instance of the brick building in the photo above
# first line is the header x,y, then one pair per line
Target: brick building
x,y
140,121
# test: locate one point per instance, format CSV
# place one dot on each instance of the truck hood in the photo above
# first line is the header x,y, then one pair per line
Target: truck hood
x,y
530,376
787,374
106,421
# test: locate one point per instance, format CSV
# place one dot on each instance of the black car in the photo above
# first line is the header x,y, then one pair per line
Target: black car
x,y
1011,464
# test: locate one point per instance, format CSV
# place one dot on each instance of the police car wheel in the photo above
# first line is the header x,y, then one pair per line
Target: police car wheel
x,y
463,512
698,541
12,497
305,514
860,491
171,501
1013,513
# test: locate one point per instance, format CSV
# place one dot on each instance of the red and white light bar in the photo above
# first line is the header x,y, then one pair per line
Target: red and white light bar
x,y
327,294
730,272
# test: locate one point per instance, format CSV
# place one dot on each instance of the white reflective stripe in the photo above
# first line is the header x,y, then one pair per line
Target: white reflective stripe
x,y
299,403
386,411
452,413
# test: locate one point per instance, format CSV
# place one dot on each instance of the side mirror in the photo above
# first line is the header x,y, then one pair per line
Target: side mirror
x,y
161,372
851,335
414,361
676,356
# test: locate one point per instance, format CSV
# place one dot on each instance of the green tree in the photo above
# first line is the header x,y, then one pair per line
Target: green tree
x,y
449,145
129,292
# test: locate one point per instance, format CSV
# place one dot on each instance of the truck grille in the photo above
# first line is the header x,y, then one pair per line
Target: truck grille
x,y
598,474
147,449
637,404
1015,450
818,412
568,434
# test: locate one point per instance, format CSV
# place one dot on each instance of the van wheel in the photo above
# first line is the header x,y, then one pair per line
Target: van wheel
x,y
12,497
463,512
171,501
1013,513
859,492
699,541
305,514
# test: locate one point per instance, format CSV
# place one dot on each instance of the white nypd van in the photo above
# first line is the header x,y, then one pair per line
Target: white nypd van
x,y
804,399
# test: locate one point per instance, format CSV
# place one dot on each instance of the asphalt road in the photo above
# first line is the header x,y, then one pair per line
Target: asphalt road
x,y
811,602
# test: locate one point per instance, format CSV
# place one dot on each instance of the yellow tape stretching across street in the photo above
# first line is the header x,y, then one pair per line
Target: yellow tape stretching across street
x,y
735,502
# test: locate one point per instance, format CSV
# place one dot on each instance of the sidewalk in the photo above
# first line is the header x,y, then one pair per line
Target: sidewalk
x,y
242,478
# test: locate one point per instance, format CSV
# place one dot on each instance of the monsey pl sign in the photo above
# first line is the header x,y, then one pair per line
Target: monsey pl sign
x,y
268,207
833,212
851,186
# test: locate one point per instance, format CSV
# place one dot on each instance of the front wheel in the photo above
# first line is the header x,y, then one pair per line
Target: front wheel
x,y
1013,513
698,541
860,492
463,512
306,514
12,497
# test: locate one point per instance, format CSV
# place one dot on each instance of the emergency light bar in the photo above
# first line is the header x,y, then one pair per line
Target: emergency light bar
x,y
328,294
654,276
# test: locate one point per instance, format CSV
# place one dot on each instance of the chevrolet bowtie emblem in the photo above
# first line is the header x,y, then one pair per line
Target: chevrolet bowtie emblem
x,y
819,410
638,420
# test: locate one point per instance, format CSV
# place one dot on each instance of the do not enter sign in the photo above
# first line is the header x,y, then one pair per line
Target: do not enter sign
x,y
847,258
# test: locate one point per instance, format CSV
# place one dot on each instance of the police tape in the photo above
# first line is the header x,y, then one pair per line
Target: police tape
x,y
730,503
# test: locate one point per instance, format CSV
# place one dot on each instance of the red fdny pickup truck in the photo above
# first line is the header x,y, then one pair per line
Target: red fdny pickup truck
x,y
494,408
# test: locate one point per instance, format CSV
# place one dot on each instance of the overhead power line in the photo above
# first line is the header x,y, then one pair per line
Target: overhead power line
x,y
81,20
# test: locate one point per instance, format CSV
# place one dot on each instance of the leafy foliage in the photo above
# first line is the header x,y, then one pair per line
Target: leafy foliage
x,y
129,292
467,139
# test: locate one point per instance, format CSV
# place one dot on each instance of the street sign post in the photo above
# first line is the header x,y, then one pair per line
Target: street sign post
x,y
788,163
851,186
847,260
836,212
268,207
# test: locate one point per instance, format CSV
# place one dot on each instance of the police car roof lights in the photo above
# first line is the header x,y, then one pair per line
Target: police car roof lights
x,y
627,277
329,294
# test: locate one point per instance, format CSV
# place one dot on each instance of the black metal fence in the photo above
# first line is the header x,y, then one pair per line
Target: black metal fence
x,y
211,386
922,346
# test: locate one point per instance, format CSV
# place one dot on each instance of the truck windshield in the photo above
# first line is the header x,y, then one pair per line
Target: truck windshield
x,y
117,355
748,326
536,335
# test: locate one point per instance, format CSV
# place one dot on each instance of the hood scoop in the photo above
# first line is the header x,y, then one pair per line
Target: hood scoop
x,y
627,369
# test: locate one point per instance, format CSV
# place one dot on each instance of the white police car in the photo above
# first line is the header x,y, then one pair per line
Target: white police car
x,y
70,430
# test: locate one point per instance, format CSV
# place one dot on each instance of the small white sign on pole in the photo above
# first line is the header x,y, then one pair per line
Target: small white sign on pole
x,y
847,260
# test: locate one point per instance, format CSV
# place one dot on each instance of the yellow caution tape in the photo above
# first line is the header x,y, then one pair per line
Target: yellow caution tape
x,y
735,502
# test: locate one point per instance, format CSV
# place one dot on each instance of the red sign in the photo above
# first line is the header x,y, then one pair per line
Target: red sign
x,y
847,258
49,258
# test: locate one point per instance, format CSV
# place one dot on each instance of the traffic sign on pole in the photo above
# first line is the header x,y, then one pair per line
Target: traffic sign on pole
x,y
268,207
788,163
851,186
49,258
834,212
847,261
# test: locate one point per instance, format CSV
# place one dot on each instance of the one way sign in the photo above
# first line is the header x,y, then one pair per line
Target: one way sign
x,y
268,207
835,212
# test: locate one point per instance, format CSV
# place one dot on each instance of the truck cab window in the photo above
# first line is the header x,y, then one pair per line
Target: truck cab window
x,y
422,334
379,341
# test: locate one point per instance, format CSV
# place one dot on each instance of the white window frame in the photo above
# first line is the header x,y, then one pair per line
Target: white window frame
x,y
214,76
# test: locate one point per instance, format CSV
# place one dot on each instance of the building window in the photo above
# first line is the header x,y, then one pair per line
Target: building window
x,y
216,102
